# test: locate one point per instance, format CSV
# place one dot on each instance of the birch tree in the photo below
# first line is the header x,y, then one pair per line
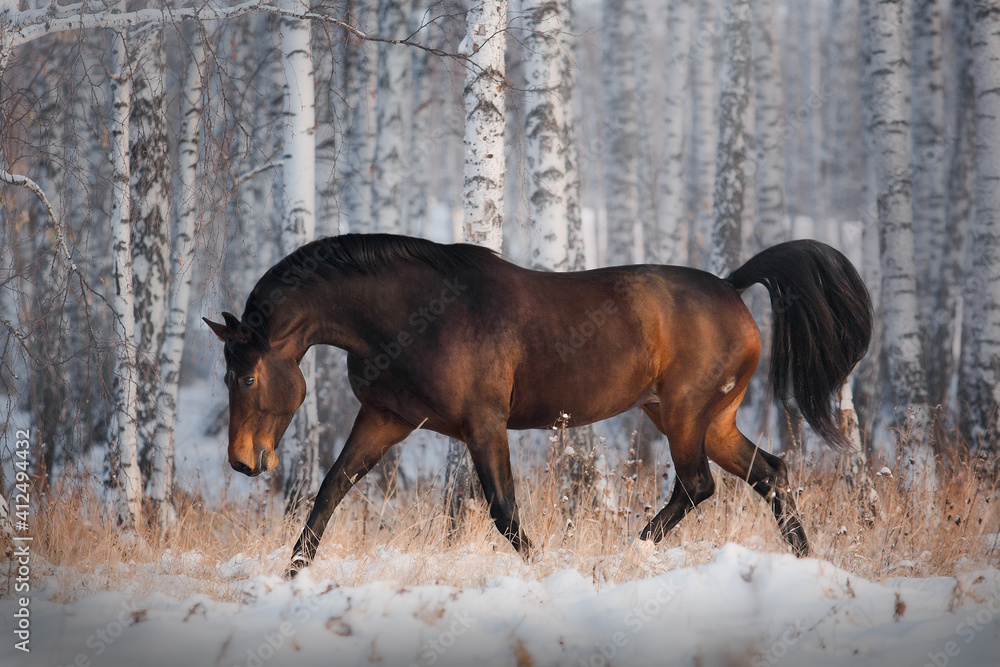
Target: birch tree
x,y
485,44
733,99
671,239
422,135
394,93
703,134
484,97
947,277
181,270
301,447
890,121
870,371
621,128
980,379
150,174
768,171
361,73
929,170
124,447
546,122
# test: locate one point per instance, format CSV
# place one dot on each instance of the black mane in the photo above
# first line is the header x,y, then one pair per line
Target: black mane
x,y
351,254
368,254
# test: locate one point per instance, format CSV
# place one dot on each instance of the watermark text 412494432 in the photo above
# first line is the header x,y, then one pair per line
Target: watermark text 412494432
x,y
22,540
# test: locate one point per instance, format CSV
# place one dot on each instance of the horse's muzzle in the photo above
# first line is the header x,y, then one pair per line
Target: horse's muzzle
x,y
266,460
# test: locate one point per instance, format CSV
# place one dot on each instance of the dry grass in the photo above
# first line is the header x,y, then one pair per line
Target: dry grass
x,y
405,537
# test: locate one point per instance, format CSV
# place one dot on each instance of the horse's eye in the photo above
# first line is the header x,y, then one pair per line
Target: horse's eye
x,y
248,382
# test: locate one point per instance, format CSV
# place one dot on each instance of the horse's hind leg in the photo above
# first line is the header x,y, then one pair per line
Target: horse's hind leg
x,y
491,456
764,472
374,432
693,482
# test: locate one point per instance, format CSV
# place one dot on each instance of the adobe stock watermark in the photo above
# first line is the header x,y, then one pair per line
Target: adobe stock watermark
x,y
419,320
967,630
580,333
634,621
435,648
271,642
101,639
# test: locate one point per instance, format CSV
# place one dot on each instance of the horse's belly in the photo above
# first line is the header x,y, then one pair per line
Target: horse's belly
x,y
577,406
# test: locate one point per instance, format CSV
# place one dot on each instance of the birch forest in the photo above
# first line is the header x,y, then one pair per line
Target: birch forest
x,y
156,158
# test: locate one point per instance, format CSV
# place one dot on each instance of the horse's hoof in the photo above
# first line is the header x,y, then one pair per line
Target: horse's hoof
x,y
298,563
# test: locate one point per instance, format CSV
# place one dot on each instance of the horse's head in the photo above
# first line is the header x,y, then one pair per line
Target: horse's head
x,y
266,387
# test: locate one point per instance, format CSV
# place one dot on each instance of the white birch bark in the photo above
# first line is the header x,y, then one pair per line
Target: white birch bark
x,y
703,134
734,97
947,277
621,122
858,474
150,228
395,88
546,118
929,168
982,378
182,260
575,240
670,242
648,159
124,447
361,71
842,140
769,130
871,390
890,120
810,40
484,96
422,135
300,447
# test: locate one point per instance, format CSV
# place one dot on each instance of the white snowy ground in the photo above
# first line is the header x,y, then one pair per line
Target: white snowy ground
x,y
743,608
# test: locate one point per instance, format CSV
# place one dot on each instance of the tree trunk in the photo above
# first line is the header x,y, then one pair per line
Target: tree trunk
x,y
871,388
576,244
300,447
890,122
182,271
843,149
731,150
621,122
124,463
361,72
393,97
150,229
703,135
670,242
981,381
546,114
485,103
422,137
958,211
929,174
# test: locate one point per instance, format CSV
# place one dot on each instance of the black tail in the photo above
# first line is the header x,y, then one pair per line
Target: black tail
x,y
822,324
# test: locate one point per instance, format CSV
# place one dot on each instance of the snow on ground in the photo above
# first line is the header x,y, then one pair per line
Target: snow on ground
x,y
742,608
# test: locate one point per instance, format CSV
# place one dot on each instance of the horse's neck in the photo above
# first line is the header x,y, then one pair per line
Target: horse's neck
x,y
321,314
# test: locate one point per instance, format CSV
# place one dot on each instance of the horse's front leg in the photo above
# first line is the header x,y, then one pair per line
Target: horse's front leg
x,y
373,433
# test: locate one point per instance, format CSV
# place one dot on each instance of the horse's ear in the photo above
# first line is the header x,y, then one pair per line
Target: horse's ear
x,y
220,330
232,322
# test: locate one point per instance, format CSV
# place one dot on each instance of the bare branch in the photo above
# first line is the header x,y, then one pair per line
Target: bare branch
x,y
30,25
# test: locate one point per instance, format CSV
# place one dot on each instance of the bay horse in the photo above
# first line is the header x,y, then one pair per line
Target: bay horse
x,y
455,339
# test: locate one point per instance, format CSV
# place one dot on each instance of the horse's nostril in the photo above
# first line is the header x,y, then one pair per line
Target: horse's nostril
x,y
239,466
